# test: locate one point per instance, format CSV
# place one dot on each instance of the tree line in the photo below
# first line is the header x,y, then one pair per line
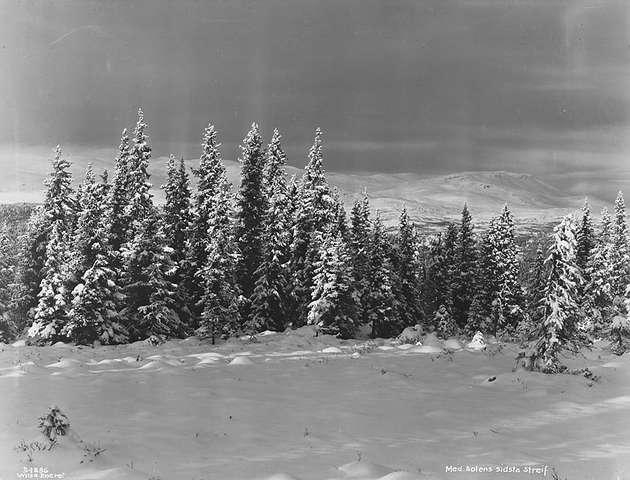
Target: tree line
x,y
104,262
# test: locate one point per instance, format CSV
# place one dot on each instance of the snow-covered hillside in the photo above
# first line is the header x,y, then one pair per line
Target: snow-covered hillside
x,y
429,198
291,406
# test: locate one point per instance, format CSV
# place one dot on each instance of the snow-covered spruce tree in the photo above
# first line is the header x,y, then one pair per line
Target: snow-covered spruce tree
x,y
507,254
176,210
117,222
585,238
407,269
50,314
221,300
151,298
440,271
339,222
59,206
140,206
332,309
359,246
87,231
208,174
8,325
560,304
379,302
104,187
464,272
94,309
269,299
598,292
620,255
479,315
538,280
95,296
59,200
315,211
250,212
176,215
498,278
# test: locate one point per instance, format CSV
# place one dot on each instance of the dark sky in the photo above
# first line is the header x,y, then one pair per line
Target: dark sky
x,y
423,86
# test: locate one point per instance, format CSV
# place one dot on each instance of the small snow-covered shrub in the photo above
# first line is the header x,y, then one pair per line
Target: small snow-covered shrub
x,y
30,448
91,451
156,340
54,424
410,335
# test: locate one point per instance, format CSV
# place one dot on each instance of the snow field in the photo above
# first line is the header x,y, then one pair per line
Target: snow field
x,y
269,410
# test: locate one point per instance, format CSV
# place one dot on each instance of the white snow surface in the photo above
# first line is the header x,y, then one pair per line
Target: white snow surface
x,y
295,409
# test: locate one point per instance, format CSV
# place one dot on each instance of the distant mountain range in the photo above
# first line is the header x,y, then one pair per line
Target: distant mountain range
x,y
430,199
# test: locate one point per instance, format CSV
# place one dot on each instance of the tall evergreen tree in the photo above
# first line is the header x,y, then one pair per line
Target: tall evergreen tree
x,y
52,307
140,206
332,307
585,237
339,220
440,267
95,301
599,290
620,255
538,281
176,210
117,226
464,274
209,174
501,296
560,302
59,207
269,300
177,217
407,271
87,230
8,325
313,215
221,300
359,248
250,212
151,298
59,200
379,301
479,315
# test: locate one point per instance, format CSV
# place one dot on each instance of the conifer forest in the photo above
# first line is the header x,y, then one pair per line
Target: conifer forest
x,y
413,265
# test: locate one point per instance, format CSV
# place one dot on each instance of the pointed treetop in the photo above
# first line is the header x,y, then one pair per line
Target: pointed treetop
x,y
275,154
620,205
90,177
123,148
315,152
209,142
606,219
275,137
404,216
140,125
466,216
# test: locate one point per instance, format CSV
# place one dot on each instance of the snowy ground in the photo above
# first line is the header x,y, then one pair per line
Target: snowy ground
x,y
283,409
